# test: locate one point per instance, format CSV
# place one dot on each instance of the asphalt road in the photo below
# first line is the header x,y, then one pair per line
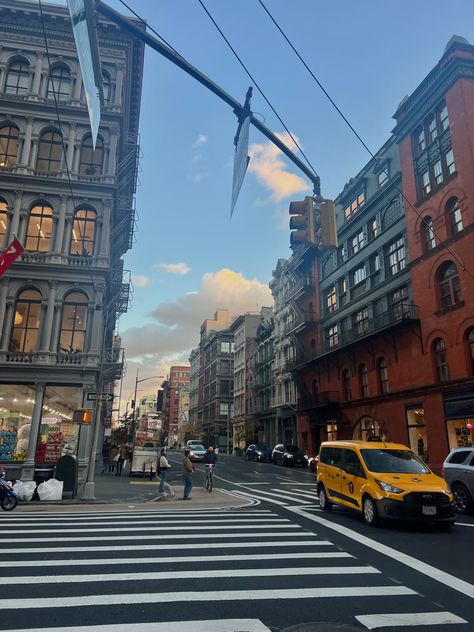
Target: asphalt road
x,y
278,563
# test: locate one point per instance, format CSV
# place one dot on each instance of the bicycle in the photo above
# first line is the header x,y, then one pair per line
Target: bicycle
x,y
209,476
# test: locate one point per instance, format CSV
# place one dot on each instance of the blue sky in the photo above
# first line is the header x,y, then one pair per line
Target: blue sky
x,y
368,55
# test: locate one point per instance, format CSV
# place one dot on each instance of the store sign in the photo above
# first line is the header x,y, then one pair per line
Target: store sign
x,y
11,253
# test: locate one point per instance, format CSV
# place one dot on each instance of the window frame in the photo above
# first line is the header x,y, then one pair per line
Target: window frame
x,y
42,219
440,356
23,326
395,250
19,73
4,222
449,285
53,147
6,140
59,76
364,380
346,385
82,240
91,161
382,375
454,212
77,305
427,230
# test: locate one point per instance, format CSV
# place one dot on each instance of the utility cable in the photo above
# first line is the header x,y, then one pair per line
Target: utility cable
x,y
351,127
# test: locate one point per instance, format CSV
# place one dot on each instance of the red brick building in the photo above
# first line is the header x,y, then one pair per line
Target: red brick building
x,y
178,378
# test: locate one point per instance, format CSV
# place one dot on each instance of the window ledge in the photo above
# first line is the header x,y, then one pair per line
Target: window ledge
x,y
446,310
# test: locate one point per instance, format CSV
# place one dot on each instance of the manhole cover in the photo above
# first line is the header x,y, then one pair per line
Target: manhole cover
x,y
321,627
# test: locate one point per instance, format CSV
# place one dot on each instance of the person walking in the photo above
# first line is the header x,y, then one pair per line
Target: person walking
x,y
210,460
164,467
112,454
188,469
123,455
105,456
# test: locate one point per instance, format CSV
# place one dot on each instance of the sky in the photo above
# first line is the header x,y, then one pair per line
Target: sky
x,y
190,258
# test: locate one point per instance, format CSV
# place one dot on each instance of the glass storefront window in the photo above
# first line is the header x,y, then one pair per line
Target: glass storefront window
x,y
417,431
366,429
16,409
459,435
58,433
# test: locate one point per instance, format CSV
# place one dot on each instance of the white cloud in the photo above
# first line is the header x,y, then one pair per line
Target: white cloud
x,y
140,280
271,171
173,268
201,140
168,340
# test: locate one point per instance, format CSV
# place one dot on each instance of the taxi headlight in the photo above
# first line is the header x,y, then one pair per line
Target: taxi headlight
x,y
389,488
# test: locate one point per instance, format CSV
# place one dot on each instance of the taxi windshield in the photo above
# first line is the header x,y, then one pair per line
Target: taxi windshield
x,y
393,462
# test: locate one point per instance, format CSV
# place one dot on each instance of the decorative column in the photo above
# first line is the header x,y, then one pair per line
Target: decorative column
x,y
15,223
33,152
97,323
3,301
28,469
27,142
70,145
7,326
106,218
68,229
119,86
76,95
49,317
113,151
77,156
56,327
38,69
58,243
23,228
90,325
3,76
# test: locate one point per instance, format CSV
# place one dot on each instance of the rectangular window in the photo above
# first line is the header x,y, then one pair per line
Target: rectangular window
x,y
354,206
372,229
449,160
432,129
359,275
342,253
382,178
333,336
443,118
396,256
331,300
357,242
225,347
438,172
425,183
361,321
420,142
374,263
398,301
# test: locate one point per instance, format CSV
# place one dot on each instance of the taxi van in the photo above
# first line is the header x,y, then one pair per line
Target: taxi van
x,y
382,481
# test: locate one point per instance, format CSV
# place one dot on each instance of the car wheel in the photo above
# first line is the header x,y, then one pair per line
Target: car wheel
x,y
369,511
324,503
462,498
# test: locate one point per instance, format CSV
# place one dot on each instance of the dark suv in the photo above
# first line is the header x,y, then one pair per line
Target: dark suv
x,y
257,452
289,455
458,471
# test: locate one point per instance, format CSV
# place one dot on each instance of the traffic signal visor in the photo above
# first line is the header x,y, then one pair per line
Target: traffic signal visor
x,y
302,222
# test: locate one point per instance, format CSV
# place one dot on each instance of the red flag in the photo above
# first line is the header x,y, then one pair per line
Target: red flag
x,y
12,252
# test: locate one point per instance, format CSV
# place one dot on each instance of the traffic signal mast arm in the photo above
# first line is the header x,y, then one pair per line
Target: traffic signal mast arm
x,y
179,61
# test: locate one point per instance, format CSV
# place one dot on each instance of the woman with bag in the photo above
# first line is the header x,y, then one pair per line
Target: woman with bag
x,y
122,458
164,467
113,454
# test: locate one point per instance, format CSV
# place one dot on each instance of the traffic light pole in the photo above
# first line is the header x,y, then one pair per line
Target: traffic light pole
x,y
133,28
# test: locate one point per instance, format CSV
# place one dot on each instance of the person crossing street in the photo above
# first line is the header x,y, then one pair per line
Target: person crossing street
x,y
209,460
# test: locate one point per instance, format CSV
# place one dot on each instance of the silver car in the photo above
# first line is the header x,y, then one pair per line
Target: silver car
x,y
458,471
196,452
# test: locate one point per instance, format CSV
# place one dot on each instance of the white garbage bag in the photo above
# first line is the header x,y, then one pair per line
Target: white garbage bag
x,y
24,490
51,490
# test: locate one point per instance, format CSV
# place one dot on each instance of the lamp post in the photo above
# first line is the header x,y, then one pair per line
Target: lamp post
x,y
137,382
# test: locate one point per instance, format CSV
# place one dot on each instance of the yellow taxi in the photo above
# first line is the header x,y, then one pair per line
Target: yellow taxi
x,y
381,480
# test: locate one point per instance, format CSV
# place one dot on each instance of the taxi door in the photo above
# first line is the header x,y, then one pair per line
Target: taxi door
x,y
333,472
353,478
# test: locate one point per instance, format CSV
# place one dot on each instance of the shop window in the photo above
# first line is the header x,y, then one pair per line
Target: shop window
x,y
470,349
73,323
364,380
16,409
449,285
417,431
92,160
441,360
50,151
454,213
459,435
427,229
3,222
331,429
26,322
59,85
18,78
367,428
382,374
58,433
346,385
8,146
83,232
40,229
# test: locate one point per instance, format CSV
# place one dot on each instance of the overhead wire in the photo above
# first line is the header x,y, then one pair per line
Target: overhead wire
x,y
354,131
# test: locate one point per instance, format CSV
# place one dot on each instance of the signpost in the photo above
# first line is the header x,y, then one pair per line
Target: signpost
x,y
241,157
103,397
11,253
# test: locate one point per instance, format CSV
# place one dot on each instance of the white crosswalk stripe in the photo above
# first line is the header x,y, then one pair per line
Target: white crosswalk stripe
x,y
110,571
280,495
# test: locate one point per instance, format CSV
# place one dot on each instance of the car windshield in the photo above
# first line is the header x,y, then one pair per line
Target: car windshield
x,y
292,448
393,462
196,447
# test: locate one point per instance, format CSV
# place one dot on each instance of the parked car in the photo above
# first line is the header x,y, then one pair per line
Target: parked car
x,y
458,471
257,452
381,481
289,455
196,452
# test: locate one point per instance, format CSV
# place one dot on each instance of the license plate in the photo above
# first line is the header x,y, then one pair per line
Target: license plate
x,y
428,510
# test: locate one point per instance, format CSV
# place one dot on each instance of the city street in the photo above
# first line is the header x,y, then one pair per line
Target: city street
x,y
276,563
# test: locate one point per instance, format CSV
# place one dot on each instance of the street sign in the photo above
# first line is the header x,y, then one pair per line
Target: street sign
x,y
85,36
241,158
104,397
12,252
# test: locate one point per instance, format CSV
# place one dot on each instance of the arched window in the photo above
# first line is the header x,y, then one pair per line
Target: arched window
x,y
454,213
470,349
346,385
73,323
40,228
26,322
8,145
83,232
382,372
449,285
428,233
18,78
3,222
59,83
106,87
91,161
364,380
50,151
441,360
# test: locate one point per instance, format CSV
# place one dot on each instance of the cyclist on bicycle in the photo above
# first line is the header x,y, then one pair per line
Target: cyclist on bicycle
x,y
209,460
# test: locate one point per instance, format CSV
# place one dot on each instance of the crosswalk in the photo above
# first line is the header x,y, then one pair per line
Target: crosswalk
x,y
248,570
301,494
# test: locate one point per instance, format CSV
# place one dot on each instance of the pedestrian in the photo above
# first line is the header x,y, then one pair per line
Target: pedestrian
x,y
105,456
122,458
113,452
164,467
188,469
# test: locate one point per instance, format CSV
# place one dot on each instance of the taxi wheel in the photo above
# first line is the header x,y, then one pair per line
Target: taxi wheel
x,y
324,503
369,511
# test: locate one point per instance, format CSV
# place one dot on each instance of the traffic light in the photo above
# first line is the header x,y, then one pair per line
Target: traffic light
x,y
326,233
302,222
82,416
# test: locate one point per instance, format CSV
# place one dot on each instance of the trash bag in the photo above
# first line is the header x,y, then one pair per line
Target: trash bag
x,y
51,490
24,490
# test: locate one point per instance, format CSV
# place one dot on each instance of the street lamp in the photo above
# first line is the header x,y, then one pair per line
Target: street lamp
x,y
137,382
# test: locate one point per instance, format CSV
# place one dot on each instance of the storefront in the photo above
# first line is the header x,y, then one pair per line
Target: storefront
x,y
459,415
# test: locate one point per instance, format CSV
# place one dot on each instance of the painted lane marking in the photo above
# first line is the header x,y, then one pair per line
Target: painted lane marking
x,y
107,561
170,547
303,491
167,575
284,496
238,492
204,596
59,515
401,619
298,494
413,563
140,523
463,524
217,625
300,484
208,527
